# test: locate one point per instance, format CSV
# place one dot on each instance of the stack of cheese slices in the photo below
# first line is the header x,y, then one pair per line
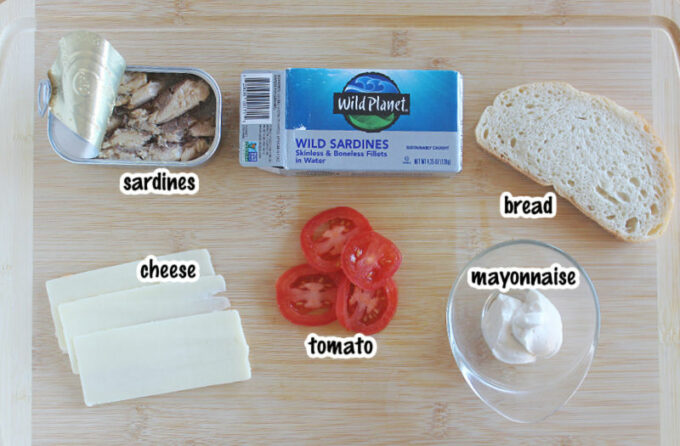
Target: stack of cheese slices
x,y
128,339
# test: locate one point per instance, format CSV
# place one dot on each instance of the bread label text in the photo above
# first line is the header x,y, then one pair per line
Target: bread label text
x,y
528,207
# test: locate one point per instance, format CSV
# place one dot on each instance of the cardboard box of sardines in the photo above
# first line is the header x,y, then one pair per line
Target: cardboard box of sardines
x,y
102,111
316,120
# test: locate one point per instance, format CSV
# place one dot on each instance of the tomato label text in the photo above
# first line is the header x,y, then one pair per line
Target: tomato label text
x,y
357,346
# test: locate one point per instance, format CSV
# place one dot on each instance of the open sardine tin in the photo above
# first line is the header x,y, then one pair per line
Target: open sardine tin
x,y
82,91
303,121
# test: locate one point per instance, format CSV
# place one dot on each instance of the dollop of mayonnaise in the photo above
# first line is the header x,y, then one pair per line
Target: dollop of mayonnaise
x,y
518,331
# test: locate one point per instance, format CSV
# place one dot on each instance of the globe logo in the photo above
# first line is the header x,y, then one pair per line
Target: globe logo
x,y
371,102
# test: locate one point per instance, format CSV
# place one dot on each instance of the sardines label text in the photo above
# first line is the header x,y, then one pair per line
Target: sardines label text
x,y
160,182
556,277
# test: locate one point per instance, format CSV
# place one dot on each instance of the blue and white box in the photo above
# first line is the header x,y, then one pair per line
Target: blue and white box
x,y
350,120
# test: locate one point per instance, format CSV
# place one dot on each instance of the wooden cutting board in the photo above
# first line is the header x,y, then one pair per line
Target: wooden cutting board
x,y
411,391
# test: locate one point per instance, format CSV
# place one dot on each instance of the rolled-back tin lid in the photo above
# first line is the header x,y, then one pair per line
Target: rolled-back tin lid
x,y
84,82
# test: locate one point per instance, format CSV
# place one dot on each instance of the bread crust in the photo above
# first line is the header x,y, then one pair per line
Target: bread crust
x,y
616,108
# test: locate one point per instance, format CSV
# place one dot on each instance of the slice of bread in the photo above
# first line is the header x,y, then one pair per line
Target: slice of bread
x,y
603,158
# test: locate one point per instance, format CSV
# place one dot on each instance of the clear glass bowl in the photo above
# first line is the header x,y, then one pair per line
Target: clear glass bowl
x,y
529,392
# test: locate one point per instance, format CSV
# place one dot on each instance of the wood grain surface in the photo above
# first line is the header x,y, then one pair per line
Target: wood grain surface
x,y
412,391
250,220
16,205
666,85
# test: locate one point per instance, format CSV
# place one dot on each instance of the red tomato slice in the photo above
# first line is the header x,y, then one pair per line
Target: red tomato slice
x,y
324,236
366,311
307,296
369,260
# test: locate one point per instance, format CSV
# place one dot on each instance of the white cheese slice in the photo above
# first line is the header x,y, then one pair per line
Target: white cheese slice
x,y
161,357
108,280
139,305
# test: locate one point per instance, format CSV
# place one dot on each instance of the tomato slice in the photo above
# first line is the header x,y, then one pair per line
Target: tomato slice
x,y
307,296
325,234
366,311
369,260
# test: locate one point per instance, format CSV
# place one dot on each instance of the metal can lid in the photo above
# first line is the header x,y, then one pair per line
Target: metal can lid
x,y
84,81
